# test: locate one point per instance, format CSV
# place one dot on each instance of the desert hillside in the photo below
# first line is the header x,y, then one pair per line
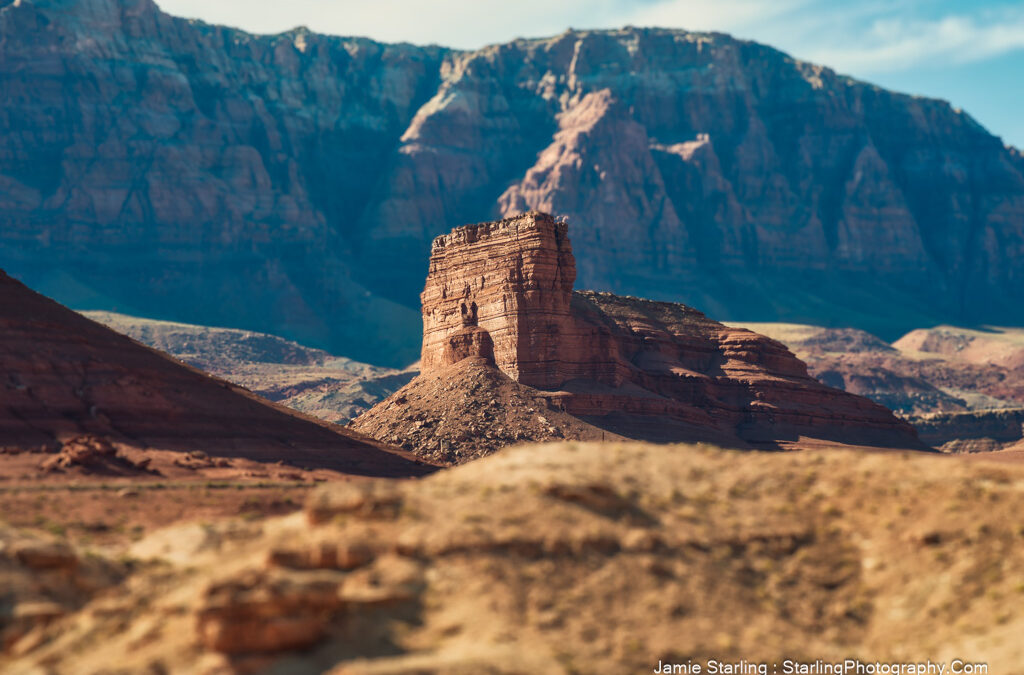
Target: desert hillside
x,y
80,399
962,389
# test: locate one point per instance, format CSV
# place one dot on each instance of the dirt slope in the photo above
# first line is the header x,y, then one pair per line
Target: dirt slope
x,y
468,410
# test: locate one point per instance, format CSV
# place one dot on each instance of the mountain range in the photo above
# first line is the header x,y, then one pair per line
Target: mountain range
x,y
292,183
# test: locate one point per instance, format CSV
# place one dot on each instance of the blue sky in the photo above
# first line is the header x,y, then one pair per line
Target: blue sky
x,y
970,53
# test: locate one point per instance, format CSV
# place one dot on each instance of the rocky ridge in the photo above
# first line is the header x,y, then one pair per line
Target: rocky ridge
x,y
154,165
501,293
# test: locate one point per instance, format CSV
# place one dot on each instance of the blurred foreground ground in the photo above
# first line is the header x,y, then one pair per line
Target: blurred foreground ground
x,y
558,558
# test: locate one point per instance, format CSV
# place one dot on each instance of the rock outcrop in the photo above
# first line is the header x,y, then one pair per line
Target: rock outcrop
x,y
43,579
632,367
567,558
292,183
74,386
511,280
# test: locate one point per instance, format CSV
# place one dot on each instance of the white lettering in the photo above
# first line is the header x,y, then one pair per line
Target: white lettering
x,y
687,668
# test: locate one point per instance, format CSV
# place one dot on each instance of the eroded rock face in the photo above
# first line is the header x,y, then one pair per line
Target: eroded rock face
x,y
138,138
632,367
43,579
258,612
293,183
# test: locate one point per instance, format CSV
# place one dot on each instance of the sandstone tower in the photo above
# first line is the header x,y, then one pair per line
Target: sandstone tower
x,y
502,291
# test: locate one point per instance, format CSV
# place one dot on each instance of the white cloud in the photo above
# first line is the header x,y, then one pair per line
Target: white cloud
x,y
714,15
865,37
453,23
899,44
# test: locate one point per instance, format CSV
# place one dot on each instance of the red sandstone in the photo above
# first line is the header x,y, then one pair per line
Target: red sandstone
x,y
638,368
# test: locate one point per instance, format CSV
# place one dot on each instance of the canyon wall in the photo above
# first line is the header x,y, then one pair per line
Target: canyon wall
x,y
293,183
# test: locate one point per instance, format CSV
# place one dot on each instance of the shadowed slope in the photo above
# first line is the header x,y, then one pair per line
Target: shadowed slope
x,y
331,388
65,376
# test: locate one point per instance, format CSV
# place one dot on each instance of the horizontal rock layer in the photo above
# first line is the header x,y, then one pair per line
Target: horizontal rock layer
x,y
973,431
293,183
512,279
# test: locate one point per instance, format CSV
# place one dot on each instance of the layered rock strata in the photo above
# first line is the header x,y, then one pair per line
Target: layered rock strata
x,y
512,280
293,183
633,367
972,431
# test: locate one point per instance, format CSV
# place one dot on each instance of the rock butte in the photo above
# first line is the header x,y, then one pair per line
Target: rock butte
x,y
72,384
501,293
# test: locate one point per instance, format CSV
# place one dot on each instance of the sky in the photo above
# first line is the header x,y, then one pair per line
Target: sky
x,y
969,52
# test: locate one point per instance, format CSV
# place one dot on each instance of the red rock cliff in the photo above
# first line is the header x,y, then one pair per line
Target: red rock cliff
x,y
292,183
